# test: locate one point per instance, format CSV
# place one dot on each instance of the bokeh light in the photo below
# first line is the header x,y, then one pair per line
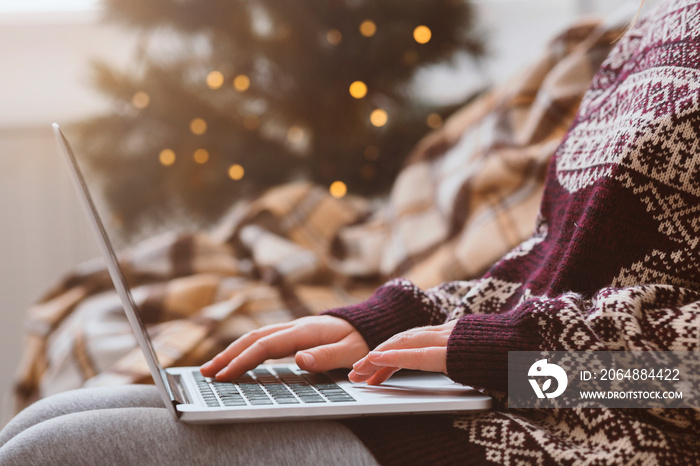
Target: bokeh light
x,y
198,126
422,34
368,28
379,117
236,172
241,83
215,79
338,189
334,37
140,100
201,156
358,89
434,121
166,157
295,134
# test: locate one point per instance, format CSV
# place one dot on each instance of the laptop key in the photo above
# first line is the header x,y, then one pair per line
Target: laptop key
x,y
261,371
315,399
235,403
287,401
327,388
260,401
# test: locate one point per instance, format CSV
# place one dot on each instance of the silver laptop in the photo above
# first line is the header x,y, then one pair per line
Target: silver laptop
x,y
272,391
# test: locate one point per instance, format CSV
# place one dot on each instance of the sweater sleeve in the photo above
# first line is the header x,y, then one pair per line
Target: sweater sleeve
x,y
641,318
395,307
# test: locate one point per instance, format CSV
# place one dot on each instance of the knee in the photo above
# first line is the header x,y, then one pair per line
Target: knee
x,y
74,401
106,436
43,410
36,413
59,440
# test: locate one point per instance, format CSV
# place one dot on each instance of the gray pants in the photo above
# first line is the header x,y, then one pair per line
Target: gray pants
x,y
129,425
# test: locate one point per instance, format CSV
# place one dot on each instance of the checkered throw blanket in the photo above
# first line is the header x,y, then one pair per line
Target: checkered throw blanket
x,y
469,193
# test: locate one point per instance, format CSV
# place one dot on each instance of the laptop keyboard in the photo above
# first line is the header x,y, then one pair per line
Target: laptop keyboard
x,y
263,387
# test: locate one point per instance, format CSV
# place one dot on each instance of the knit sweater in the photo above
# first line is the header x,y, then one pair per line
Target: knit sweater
x,y
613,264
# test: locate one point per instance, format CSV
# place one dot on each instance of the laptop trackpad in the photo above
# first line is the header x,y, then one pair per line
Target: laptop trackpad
x,y
416,384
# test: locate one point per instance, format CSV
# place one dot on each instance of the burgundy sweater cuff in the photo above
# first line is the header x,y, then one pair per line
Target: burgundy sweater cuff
x,y
477,350
393,308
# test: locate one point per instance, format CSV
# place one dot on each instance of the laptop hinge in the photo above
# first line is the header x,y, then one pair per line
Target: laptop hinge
x,y
178,392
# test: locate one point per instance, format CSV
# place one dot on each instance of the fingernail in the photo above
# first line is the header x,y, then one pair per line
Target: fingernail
x,y
308,359
375,355
221,372
206,365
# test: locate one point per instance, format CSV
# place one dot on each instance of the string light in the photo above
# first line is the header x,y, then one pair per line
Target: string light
x,y
166,157
198,126
368,28
236,172
378,117
334,37
215,79
358,89
201,156
434,121
295,135
422,34
338,189
241,83
140,100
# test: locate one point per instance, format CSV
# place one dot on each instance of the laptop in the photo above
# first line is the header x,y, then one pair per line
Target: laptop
x,y
272,392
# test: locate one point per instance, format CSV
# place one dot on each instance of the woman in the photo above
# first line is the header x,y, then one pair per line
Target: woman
x,y
614,264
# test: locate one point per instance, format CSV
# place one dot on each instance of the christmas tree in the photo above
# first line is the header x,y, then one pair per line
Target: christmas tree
x,y
229,97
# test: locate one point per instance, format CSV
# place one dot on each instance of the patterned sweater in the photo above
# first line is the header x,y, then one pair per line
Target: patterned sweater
x,y
614,264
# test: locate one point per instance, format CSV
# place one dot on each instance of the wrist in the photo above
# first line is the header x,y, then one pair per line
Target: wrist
x,y
393,308
477,349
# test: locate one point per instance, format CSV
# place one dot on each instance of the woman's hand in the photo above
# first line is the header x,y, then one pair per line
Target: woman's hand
x,y
421,348
321,343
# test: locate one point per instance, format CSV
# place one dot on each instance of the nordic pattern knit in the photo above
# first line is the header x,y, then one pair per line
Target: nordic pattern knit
x,y
614,264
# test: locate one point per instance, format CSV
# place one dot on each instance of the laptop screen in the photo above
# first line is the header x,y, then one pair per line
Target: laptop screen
x,y
115,271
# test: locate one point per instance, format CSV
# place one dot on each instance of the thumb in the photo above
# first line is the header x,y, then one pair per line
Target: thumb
x,y
332,356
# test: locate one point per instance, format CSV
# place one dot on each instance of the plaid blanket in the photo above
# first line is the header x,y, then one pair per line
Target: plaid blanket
x,y
469,192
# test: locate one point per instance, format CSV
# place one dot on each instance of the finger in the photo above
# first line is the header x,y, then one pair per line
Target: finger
x,y
363,370
221,360
276,345
382,375
365,367
333,356
432,359
416,338
357,377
